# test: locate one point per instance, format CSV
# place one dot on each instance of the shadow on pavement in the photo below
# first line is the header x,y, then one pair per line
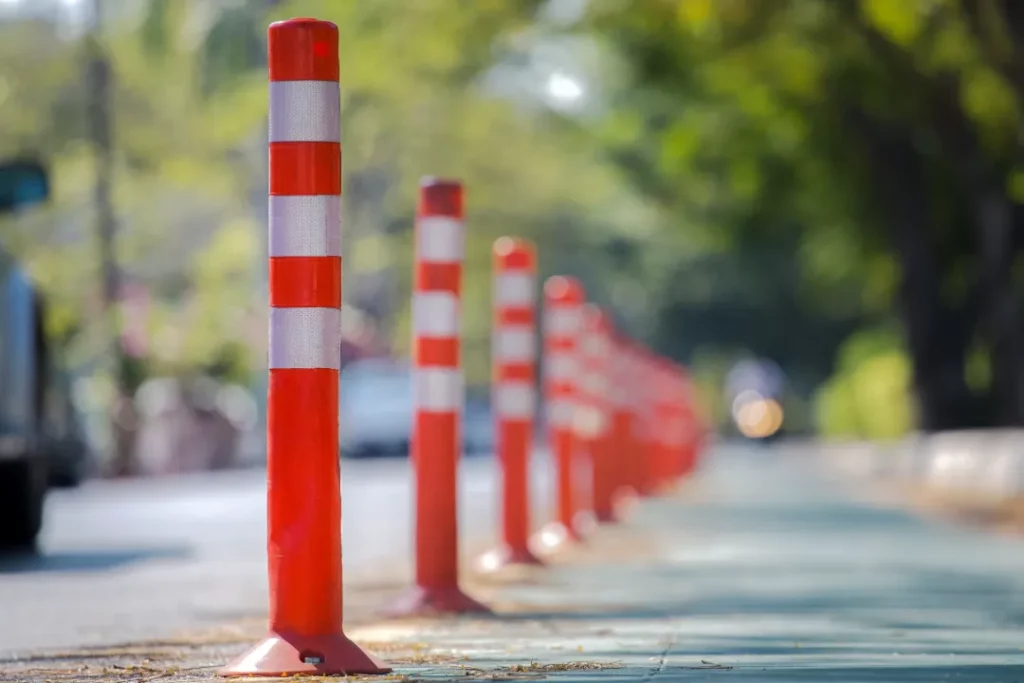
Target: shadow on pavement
x,y
86,560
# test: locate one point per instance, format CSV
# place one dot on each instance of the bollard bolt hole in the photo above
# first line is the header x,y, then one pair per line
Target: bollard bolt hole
x,y
314,658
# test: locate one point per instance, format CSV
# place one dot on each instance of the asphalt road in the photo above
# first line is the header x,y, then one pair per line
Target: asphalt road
x,y
771,564
145,558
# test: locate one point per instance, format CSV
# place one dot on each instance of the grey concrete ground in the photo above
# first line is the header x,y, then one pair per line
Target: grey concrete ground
x,y
140,559
762,570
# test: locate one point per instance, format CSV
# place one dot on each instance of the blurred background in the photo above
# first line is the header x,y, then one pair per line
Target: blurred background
x,y
816,205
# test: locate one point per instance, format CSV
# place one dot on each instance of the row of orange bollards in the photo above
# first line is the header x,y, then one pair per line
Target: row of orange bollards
x,y
619,420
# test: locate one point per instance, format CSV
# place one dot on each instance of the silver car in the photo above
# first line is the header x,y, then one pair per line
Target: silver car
x,y
376,412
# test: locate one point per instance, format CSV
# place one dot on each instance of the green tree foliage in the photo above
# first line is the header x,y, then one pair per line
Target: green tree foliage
x,y
773,177
869,395
842,162
189,121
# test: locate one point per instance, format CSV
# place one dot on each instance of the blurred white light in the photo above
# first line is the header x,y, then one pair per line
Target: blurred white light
x,y
563,88
490,561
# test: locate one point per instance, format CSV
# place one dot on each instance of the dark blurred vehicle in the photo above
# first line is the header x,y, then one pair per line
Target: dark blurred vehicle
x,y
38,444
754,389
24,470
70,458
477,427
376,412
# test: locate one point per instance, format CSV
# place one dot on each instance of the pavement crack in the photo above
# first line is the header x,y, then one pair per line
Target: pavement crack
x,y
670,642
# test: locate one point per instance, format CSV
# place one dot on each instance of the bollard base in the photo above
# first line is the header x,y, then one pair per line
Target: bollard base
x,y
554,536
288,654
420,601
506,556
625,501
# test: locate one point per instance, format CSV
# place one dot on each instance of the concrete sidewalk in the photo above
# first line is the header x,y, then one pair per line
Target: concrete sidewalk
x,y
760,570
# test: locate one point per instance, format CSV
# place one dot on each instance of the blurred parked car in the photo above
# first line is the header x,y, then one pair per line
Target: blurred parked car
x,y
71,458
27,375
376,412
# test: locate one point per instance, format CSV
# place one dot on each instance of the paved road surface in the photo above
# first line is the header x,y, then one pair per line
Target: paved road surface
x,y
770,574
144,558
773,568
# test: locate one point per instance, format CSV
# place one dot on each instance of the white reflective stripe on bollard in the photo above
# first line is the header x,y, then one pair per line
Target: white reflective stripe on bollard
x,y
305,338
440,240
305,225
438,389
305,111
435,315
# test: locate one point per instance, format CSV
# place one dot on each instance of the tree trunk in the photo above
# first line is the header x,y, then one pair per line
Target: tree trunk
x,y
937,334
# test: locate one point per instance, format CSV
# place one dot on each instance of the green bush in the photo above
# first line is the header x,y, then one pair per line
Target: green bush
x,y
869,396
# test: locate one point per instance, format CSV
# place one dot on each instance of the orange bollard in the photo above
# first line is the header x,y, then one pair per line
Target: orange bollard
x,y
667,438
593,415
626,461
303,481
563,301
644,425
687,455
514,376
436,443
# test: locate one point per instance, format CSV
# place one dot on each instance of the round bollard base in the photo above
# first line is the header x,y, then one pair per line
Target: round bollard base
x,y
553,537
624,502
420,601
507,556
287,654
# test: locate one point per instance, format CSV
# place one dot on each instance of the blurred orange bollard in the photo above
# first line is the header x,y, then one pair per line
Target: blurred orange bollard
x,y
668,438
644,422
625,457
514,360
593,423
687,455
438,393
303,480
563,303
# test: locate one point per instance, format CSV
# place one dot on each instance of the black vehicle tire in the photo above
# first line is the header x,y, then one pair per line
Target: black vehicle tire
x,y
22,494
66,468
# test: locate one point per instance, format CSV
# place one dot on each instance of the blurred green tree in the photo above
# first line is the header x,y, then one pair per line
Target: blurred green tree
x,y
837,163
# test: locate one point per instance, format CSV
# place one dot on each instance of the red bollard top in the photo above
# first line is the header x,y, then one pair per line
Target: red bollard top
x,y
563,289
441,197
302,50
514,253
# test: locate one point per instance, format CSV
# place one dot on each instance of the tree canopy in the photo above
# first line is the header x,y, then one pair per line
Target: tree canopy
x,y
835,185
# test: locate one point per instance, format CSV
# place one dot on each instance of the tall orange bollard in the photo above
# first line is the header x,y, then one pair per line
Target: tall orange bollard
x,y
593,423
514,359
303,480
436,441
563,303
